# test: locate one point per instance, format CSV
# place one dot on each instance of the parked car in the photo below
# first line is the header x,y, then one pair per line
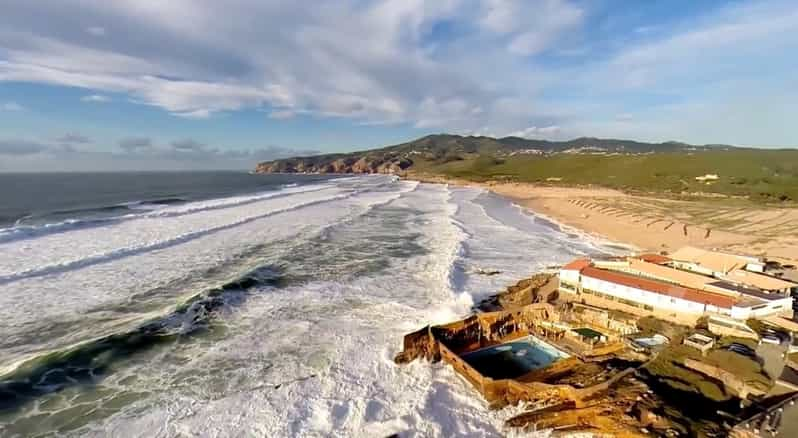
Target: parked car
x,y
742,349
783,337
771,339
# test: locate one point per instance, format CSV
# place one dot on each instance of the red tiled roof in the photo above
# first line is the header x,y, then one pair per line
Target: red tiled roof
x,y
654,258
577,265
661,288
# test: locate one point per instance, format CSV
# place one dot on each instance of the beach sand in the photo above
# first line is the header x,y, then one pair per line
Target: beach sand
x,y
658,224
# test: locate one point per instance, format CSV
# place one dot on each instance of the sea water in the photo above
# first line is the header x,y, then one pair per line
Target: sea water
x,y
273,308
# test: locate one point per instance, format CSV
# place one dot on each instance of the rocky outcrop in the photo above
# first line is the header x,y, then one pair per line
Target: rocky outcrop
x,y
384,163
540,288
419,345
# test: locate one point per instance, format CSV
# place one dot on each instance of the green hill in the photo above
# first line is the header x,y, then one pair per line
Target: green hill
x,y
765,175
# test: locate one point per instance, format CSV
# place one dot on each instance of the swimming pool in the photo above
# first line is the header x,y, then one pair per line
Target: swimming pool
x,y
514,359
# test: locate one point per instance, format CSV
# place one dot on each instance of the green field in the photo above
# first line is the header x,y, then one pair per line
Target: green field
x,y
760,175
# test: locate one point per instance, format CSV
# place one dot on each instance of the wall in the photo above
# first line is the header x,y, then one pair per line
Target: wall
x,y
773,307
730,328
485,329
601,319
645,297
463,368
569,275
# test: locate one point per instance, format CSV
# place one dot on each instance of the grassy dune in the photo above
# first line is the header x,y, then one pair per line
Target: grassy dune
x,y
760,175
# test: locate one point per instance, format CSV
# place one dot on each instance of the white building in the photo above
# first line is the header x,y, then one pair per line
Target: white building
x,y
582,277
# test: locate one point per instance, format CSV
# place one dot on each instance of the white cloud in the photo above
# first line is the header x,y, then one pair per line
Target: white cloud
x,y
96,31
384,62
15,147
11,106
719,78
282,114
135,144
73,138
532,27
719,48
535,132
134,153
376,68
199,114
96,98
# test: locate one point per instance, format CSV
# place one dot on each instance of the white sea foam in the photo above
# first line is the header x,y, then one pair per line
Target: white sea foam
x,y
148,210
344,334
309,359
64,251
95,291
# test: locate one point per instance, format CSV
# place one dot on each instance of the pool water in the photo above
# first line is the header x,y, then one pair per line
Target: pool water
x,y
514,359
588,333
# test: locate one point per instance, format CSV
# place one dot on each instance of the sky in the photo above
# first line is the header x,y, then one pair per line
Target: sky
x,y
205,84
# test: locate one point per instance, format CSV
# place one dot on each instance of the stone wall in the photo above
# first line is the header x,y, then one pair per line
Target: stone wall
x,y
446,342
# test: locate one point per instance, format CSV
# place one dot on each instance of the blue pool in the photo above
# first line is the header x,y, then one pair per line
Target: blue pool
x,y
513,359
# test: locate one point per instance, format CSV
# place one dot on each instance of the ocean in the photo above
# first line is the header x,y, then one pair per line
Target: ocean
x,y
229,304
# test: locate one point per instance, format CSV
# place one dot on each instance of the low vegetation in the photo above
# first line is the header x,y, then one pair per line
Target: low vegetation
x,y
669,368
766,176
672,168
650,325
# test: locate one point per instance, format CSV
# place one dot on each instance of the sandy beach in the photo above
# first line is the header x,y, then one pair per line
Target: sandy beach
x,y
658,224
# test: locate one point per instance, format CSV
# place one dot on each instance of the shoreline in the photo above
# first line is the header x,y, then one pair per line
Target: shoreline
x,y
648,222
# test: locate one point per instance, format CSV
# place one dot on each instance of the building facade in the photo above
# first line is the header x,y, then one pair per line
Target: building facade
x,y
653,287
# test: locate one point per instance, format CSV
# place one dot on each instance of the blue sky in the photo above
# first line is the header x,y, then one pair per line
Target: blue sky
x,y
187,84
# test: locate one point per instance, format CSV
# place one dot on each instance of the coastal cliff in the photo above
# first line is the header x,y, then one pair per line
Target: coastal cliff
x,y
369,163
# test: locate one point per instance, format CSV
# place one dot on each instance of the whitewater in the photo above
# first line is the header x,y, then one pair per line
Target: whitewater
x,y
266,314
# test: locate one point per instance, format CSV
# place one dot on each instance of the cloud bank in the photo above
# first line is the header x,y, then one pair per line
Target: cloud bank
x,y
75,152
498,66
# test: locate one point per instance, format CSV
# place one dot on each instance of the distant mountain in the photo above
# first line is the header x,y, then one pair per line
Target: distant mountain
x,y
445,147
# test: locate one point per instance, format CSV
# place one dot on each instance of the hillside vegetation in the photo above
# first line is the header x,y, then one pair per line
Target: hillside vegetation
x,y
770,176
667,168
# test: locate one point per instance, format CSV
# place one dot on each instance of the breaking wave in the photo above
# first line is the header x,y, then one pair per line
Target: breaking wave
x,y
271,319
139,209
90,361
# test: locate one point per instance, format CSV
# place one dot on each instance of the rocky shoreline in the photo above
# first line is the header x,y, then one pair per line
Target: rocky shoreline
x,y
604,388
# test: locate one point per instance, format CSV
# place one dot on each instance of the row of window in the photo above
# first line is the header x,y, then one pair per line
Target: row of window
x,y
567,286
618,299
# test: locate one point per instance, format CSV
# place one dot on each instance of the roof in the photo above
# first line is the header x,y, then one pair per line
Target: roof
x,y
745,290
699,338
717,261
748,302
784,323
577,265
659,287
654,258
666,273
758,280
